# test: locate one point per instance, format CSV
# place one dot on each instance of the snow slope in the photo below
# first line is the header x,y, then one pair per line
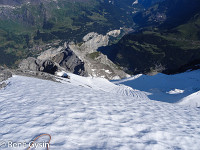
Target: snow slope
x,y
167,88
192,100
80,117
104,85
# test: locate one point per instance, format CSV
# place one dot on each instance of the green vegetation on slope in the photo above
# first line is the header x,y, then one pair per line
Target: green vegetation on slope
x,y
33,24
162,50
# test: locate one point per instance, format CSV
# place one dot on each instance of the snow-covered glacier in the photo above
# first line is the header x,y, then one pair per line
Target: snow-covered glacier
x,y
180,88
92,113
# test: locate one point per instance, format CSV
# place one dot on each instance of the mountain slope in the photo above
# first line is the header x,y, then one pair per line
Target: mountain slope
x,y
82,118
169,45
25,25
145,3
191,100
168,14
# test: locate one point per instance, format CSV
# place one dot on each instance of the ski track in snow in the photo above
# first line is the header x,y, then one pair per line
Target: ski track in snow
x,y
80,118
128,91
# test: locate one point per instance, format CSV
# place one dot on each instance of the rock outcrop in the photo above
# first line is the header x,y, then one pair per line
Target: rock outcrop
x,y
34,64
92,41
65,58
4,75
8,73
114,33
82,59
96,63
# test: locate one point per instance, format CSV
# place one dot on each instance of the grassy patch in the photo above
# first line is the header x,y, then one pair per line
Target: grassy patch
x,y
94,55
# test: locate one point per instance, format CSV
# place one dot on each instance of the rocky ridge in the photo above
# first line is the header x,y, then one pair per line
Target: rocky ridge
x,y
96,63
81,59
65,59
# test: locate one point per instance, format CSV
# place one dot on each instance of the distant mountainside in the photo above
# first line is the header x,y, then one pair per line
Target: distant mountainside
x,y
169,39
146,3
168,13
27,25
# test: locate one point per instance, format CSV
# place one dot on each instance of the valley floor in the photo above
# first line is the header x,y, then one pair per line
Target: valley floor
x,y
79,117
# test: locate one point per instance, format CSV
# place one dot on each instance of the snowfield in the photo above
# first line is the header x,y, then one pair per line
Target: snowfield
x,y
192,100
176,88
84,113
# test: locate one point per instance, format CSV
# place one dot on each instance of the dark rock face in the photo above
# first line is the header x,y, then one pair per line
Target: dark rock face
x,y
47,62
49,67
68,60
34,64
